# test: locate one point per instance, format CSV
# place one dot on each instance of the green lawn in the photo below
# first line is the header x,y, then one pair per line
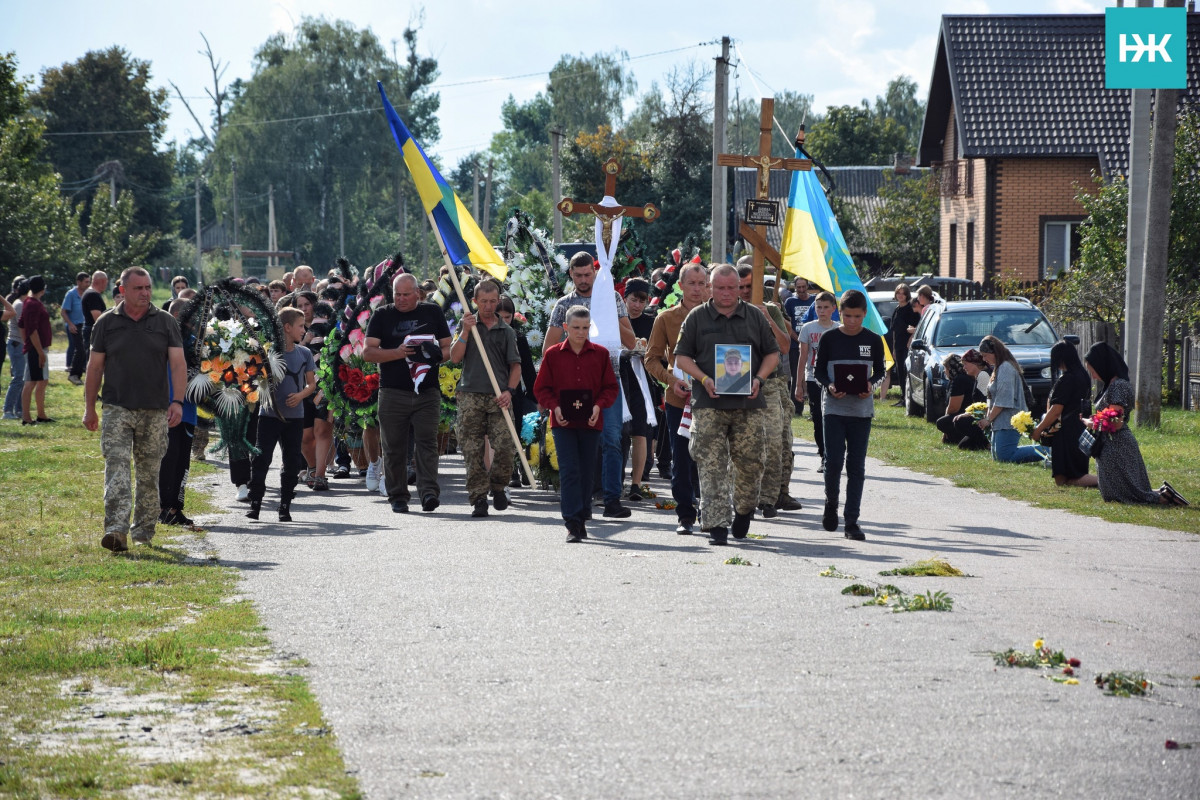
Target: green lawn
x,y
1170,454
106,659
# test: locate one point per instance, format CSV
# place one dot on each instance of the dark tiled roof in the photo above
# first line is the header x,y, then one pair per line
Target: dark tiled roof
x,y
1033,86
859,186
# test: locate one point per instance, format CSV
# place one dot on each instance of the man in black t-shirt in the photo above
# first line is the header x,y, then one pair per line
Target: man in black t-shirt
x,y
93,306
409,393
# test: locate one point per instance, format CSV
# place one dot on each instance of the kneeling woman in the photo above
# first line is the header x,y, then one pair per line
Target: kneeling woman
x,y
1062,424
1119,465
1006,397
576,382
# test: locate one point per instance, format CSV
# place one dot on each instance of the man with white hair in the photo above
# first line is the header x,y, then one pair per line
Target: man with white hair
x,y
409,392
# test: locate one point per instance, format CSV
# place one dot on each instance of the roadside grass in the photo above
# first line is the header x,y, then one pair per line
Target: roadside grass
x,y
1171,453
142,670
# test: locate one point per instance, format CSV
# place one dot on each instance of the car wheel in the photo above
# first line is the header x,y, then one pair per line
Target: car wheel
x,y
931,413
911,408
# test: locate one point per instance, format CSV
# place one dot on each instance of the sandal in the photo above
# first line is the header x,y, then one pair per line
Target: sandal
x,y
319,485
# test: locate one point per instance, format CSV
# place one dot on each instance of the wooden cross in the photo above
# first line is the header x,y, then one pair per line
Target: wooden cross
x,y
606,214
764,164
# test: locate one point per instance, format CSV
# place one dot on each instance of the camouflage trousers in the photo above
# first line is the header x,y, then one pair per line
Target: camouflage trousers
x,y
727,446
778,458
479,416
136,437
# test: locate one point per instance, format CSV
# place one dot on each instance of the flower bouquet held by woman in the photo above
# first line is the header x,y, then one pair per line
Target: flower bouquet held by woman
x,y
1121,472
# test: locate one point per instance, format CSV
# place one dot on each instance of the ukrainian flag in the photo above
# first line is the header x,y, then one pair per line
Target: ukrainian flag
x,y
464,242
814,248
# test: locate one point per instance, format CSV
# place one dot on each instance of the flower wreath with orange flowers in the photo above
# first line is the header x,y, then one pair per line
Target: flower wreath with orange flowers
x,y
234,356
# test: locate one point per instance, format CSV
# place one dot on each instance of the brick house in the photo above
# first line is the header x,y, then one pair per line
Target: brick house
x,y
1017,122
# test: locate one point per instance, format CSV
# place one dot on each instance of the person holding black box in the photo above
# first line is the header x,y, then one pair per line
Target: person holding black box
x,y
576,382
850,362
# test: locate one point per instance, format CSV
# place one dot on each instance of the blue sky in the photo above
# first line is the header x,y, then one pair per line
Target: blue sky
x,y
840,51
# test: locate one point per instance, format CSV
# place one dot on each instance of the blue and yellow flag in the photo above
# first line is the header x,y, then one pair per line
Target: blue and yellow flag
x,y
814,248
464,242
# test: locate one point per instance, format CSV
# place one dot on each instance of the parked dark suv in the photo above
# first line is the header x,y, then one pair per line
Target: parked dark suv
x,y
956,327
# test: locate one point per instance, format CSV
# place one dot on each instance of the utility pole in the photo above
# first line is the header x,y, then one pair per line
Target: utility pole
x,y
487,201
1140,101
556,180
272,243
199,262
475,192
720,113
1154,271
112,188
341,229
235,205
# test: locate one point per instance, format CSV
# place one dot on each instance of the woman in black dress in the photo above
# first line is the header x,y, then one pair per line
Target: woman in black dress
x,y
904,316
1121,472
1060,427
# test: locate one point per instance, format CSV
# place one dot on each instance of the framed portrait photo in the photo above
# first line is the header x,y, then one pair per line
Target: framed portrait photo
x,y
732,369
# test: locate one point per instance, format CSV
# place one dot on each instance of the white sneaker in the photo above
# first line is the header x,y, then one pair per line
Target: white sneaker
x,y
373,476
382,483
243,495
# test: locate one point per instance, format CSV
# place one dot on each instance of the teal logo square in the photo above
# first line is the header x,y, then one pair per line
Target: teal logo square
x,y
1145,48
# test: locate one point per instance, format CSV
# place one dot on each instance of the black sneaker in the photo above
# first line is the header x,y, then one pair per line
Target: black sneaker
x,y
718,536
741,525
829,519
573,531
399,507
285,511
635,493
684,528
429,502
768,511
499,499
854,532
615,509
481,508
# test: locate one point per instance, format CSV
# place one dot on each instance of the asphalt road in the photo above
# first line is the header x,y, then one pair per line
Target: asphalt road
x,y
458,657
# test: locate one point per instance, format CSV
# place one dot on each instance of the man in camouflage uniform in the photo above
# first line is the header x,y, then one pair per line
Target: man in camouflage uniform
x,y
480,412
726,427
132,346
778,457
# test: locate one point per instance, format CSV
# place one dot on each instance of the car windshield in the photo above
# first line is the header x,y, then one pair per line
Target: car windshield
x,y
966,329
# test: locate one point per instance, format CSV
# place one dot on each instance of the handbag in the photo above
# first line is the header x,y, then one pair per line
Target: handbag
x,y
1090,444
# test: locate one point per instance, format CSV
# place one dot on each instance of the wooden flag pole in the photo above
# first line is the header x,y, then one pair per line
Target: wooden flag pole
x,y
512,429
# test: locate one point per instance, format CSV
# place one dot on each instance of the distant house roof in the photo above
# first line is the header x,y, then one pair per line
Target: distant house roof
x,y
1032,86
859,186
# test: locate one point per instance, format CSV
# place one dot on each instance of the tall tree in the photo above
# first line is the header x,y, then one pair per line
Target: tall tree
x,y
792,109
107,94
900,102
308,122
587,92
855,136
110,243
39,231
907,227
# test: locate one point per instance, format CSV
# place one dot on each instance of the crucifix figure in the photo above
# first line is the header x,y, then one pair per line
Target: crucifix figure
x,y
609,215
756,235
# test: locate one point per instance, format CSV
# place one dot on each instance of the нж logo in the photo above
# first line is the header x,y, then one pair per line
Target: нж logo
x,y
1145,48
1148,48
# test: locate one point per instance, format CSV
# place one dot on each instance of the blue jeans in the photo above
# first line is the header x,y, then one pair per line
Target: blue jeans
x,y
683,469
576,456
16,363
846,441
612,462
1005,449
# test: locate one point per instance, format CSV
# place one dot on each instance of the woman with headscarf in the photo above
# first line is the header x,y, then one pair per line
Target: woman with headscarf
x,y
1063,422
1121,472
1006,397
958,427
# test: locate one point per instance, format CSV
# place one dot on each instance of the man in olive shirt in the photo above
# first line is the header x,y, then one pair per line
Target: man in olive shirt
x,y
728,431
480,411
132,346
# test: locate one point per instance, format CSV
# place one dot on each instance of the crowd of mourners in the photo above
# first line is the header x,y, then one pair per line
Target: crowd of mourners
x,y
706,390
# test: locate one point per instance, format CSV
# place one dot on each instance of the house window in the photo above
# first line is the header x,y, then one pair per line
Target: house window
x,y
953,250
970,272
1060,246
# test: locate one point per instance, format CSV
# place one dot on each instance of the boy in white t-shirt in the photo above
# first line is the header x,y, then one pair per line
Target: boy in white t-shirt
x,y
810,336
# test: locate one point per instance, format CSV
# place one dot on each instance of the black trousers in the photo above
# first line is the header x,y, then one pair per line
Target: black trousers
x,y
814,392
172,474
78,364
288,434
962,430
239,471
